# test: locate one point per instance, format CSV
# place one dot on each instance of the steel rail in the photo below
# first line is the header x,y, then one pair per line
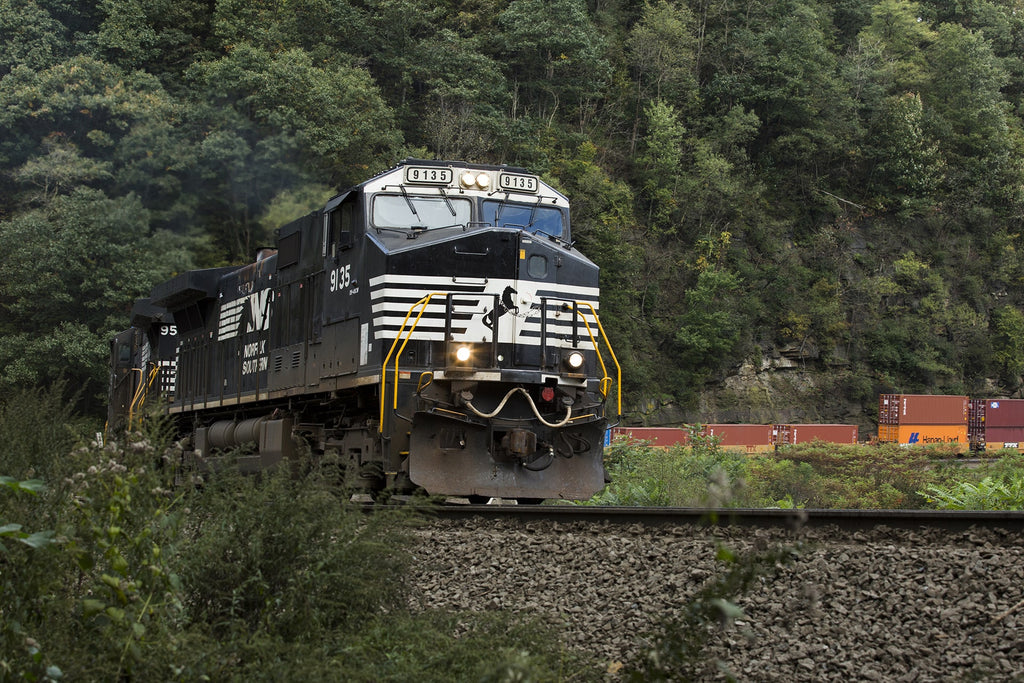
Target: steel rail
x,y
654,516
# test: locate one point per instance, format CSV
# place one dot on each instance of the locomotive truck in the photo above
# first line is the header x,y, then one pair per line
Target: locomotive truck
x,y
432,329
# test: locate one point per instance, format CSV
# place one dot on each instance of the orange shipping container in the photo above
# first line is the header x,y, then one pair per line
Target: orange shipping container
x,y
924,435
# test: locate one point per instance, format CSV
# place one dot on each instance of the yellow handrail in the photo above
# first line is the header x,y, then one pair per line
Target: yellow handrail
x,y
600,359
141,392
384,366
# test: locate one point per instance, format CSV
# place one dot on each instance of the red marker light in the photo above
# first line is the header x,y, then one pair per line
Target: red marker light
x,y
547,394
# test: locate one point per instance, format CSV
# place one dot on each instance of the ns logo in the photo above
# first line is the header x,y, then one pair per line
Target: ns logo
x,y
256,311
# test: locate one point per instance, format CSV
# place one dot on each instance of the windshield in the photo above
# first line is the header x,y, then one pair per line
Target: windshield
x,y
394,211
529,217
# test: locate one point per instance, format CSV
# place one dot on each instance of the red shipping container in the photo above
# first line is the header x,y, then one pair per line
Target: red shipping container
x,y
1004,434
922,409
806,433
659,437
1003,412
747,437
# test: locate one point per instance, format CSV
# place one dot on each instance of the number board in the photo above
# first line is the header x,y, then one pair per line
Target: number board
x,y
429,175
518,183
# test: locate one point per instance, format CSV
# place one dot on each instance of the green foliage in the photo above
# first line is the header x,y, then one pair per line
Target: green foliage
x,y
110,570
698,475
553,53
1008,342
815,475
308,565
988,494
63,297
709,330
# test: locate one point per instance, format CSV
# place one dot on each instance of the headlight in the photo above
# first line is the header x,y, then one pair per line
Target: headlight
x,y
574,360
462,354
474,181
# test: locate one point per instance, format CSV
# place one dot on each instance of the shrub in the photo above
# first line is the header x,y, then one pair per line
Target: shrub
x,y
989,494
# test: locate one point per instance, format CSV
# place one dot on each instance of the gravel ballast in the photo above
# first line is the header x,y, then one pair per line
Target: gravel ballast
x,y
880,605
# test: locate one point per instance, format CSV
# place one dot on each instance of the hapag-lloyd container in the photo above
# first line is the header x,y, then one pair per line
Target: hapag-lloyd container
x,y
790,434
924,435
922,409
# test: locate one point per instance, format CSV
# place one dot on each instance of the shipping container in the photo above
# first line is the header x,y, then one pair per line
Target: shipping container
x,y
658,437
922,409
924,435
748,438
1003,412
987,414
1005,434
791,434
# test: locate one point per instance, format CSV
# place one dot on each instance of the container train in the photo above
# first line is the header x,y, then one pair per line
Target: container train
x,y
958,422
431,329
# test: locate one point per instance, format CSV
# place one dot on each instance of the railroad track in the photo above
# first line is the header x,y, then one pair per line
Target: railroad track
x,y
868,595
764,518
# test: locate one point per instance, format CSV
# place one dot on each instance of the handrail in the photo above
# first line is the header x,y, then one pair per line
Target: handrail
x,y
600,359
384,366
141,392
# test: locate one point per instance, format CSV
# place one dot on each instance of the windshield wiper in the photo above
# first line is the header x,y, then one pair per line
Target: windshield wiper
x,y
533,213
448,203
408,200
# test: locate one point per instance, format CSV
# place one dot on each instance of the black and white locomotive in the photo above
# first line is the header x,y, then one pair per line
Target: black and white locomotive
x,y
432,328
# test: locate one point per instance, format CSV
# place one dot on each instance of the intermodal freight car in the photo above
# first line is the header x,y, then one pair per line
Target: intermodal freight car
x,y
746,438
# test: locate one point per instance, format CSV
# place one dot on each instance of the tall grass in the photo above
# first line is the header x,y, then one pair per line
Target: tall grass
x,y
111,571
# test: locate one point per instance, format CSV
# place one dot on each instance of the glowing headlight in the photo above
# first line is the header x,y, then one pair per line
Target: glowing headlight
x,y
575,360
483,181
467,179
462,354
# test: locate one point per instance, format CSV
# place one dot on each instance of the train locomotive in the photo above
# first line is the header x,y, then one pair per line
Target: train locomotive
x,y
430,329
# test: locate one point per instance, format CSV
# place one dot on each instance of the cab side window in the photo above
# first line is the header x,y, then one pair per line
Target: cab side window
x,y
341,226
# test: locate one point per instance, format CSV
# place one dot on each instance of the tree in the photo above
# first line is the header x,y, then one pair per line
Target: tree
x,y
907,165
120,127
1008,343
273,121
902,36
972,119
68,276
30,36
709,331
660,51
553,54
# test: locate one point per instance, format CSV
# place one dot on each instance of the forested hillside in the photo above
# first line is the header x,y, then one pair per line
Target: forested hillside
x,y
835,188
